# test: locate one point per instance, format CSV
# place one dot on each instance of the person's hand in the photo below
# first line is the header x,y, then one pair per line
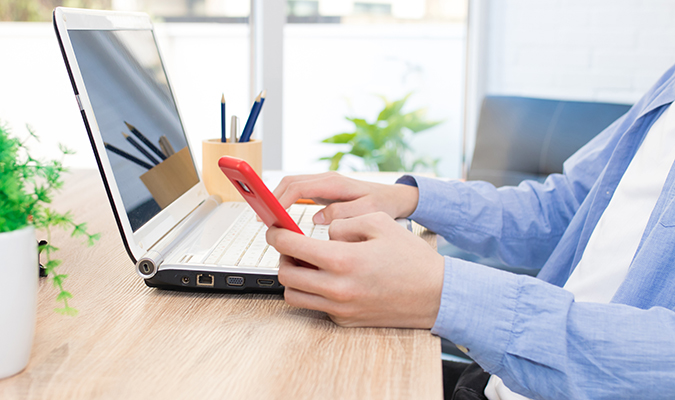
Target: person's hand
x,y
345,197
373,272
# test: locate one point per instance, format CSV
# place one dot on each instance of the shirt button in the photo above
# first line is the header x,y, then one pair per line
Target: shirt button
x,y
462,348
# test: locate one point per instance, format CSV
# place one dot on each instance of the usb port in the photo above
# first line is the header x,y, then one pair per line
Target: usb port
x,y
204,280
235,280
265,282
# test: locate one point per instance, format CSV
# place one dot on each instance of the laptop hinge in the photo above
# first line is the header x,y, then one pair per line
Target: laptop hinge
x,y
148,265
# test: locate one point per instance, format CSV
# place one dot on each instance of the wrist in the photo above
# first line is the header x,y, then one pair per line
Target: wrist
x,y
406,198
435,292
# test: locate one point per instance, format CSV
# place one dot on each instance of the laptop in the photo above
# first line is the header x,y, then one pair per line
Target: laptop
x,y
178,236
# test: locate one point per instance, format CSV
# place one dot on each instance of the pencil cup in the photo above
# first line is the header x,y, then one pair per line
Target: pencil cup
x,y
215,181
168,180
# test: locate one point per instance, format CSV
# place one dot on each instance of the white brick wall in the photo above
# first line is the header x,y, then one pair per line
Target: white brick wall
x,y
603,50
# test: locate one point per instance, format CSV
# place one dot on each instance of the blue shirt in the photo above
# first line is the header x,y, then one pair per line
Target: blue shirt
x,y
529,331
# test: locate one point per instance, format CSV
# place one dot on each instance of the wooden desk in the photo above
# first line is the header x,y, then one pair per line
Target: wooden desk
x,y
133,342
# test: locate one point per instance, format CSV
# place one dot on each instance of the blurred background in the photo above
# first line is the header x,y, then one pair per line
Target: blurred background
x,y
339,56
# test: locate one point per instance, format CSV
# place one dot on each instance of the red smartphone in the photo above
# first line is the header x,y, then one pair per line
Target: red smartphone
x,y
254,191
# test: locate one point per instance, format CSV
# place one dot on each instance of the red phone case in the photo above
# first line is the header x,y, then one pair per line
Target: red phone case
x,y
254,191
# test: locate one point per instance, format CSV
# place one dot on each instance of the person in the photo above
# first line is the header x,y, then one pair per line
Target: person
x,y
597,322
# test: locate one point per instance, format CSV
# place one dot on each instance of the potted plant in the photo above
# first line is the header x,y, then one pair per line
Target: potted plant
x,y
383,144
26,189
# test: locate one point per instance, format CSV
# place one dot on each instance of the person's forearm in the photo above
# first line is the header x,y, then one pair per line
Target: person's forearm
x,y
520,226
544,345
511,222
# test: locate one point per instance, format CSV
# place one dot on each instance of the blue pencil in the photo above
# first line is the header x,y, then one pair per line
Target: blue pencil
x,y
223,135
250,123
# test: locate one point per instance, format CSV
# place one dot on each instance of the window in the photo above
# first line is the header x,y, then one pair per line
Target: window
x,y
339,55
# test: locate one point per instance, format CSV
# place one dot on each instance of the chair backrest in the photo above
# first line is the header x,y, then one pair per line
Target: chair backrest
x,y
522,138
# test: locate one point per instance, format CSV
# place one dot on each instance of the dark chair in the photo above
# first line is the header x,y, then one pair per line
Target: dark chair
x,y
521,138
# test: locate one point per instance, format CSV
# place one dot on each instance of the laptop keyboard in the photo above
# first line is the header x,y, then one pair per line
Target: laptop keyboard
x,y
244,244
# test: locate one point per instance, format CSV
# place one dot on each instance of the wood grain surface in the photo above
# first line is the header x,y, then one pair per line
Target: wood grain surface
x,y
133,342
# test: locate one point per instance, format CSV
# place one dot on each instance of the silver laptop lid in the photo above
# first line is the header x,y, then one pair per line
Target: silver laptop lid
x,y
133,121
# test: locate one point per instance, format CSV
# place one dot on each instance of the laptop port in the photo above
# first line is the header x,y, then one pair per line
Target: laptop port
x,y
265,282
204,280
235,280
185,280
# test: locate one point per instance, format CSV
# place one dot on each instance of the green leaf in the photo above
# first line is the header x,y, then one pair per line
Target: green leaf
x,y
64,296
79,230
58,279
67,311
392,108
51,264
359,122
91,239
48,248
32,133
384,144
417,126
340,138
335,161
65,150
362,147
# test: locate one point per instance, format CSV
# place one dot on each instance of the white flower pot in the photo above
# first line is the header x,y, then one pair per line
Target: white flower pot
x,y
18,298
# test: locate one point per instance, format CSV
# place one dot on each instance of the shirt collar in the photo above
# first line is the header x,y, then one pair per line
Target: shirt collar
x,y
665,93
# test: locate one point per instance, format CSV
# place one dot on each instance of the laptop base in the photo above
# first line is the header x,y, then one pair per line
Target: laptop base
x,y
223,282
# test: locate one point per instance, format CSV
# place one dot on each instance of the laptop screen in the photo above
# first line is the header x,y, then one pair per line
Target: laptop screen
x,y
137,117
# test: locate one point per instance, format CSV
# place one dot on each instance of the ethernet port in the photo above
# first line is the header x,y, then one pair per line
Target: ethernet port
x,y
205,280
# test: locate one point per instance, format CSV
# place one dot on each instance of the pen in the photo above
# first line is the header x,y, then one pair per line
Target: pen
x,y
145,140
140,148
234,127
127,156
222,119
250,123
166,147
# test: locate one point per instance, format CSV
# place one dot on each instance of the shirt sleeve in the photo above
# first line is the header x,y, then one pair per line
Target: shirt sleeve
x,y
520,225
542,344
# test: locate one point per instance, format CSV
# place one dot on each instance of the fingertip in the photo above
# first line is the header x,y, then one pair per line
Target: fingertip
x,y
319,218
286,199
271,234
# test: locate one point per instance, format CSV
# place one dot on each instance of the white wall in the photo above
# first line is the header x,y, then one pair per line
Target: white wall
x,y
35,90
603,50
330,72
333,71
203,61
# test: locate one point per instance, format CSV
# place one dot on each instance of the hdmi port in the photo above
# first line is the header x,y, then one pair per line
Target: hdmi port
x,y
204,280
265,282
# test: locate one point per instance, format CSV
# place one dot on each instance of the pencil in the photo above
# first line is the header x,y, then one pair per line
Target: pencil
x,y
223,137
145,140
234,127
127,156
304,201
140,148
166,147
253,117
